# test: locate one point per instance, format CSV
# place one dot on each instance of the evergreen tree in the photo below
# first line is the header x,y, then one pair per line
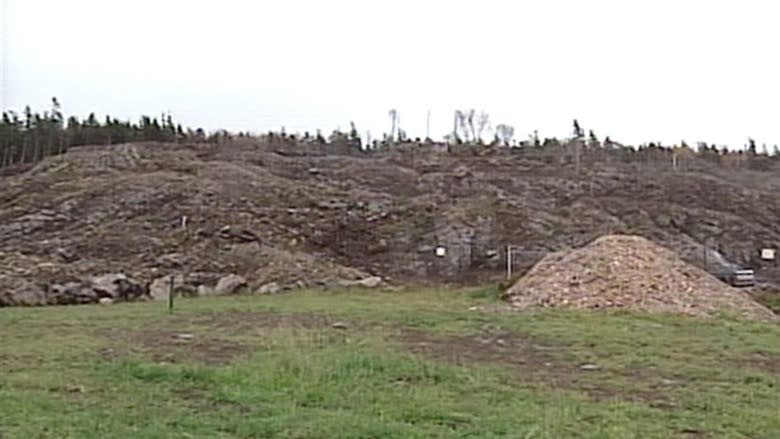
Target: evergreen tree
x,y
35,136
752,146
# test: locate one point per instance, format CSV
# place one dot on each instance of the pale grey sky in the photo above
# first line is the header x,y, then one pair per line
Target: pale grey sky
x,y
635,70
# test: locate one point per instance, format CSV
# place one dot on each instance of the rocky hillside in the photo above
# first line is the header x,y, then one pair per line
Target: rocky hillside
x,y
279,216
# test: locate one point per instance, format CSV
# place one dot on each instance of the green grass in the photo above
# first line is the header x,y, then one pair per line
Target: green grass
x,y
770,299
98,372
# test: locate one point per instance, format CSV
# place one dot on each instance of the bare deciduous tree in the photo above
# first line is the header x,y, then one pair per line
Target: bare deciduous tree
x,y
456,118
483,122
577,129
462,126
470,119
393,113
506,133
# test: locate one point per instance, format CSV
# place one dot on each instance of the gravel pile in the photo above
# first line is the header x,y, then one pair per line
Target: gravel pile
x,y
630,272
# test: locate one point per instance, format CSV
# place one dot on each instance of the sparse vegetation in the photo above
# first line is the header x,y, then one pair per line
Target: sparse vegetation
x,y
768,297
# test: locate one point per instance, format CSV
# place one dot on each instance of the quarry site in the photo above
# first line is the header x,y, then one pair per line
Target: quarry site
x,y
389,220
608,227
414,290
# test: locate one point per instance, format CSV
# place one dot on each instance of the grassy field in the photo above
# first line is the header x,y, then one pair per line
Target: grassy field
x,y
356,364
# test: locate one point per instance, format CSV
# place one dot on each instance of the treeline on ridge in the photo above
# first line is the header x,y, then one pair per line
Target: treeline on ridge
x,y
29,137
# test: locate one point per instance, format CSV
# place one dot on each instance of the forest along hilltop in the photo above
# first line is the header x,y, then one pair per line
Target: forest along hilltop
x,y
269,213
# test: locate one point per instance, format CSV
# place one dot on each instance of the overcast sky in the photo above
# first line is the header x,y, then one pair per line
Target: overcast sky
x,y
635,70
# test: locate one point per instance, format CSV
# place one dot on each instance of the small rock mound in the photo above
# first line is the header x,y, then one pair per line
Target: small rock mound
x,y
631,272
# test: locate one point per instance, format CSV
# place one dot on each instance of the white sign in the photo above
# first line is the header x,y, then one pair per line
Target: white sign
x,y
768,254
441,252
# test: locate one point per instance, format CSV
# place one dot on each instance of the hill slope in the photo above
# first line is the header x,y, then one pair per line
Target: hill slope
x,y
317,215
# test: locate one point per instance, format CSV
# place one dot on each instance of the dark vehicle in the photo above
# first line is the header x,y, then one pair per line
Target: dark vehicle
x,y
738,278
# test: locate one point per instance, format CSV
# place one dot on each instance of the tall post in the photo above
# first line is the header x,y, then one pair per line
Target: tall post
x,y
428,126
171,289
508,262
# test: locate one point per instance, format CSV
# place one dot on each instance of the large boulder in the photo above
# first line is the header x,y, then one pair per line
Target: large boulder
x,y
368,282
71,293
117,286
171,260
20,292
160,288
270,288
230,284
203,291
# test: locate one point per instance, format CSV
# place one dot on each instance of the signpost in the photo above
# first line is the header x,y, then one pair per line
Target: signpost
x,y
171,290
172,286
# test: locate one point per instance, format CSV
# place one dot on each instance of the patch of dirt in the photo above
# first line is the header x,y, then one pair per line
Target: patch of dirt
x,y
528,356
200,400
172,347
765,362
630,272
202,337
537,362
241,320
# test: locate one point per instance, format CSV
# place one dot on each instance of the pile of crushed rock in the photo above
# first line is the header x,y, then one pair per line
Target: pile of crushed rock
x,y
631,272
